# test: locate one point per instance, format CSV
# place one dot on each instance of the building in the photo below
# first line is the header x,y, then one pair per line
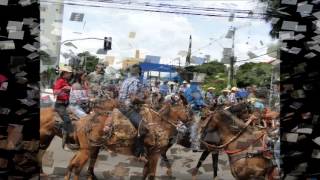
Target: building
x,y
132,60
51,16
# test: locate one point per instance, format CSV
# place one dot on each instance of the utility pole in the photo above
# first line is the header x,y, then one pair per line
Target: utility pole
x,y
232,61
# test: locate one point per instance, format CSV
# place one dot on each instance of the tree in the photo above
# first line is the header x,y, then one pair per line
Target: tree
x,y
90,61
254,74
216,74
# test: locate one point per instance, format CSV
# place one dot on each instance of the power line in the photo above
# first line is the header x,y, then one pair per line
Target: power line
x,y
256,57
152,10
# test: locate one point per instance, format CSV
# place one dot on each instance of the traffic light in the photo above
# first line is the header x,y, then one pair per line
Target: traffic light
x,y
107,43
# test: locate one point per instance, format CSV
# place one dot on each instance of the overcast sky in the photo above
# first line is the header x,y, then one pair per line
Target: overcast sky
x,y
165,35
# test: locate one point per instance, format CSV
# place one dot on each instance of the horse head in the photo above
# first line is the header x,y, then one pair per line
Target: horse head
x,y
175,110
103,102
242,110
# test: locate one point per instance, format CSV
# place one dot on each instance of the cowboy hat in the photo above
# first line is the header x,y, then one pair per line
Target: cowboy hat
x,y
211,88
65,68
225,90
234,89
185,82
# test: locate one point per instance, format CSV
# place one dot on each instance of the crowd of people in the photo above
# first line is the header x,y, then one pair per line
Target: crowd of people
x,y
131,93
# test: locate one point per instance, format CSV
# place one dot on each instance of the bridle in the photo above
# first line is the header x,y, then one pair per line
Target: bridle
x,y
235,137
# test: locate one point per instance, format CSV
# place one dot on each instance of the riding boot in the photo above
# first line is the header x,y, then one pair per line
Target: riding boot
x,y
64,139
139,146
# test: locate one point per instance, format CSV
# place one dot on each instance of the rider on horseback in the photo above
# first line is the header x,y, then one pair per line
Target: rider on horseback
x,y
195,98
61,89
131,96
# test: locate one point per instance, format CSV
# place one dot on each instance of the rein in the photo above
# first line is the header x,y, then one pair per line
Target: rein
x,y
167,120
212,146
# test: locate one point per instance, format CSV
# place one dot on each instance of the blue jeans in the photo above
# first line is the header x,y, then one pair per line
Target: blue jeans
x,y
61,109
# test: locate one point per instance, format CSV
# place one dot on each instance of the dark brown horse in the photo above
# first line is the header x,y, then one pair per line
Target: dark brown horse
x,y
240,110
244,146
92,131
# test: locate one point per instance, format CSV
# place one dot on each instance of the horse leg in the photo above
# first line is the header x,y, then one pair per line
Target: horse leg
x,y
215,157
203,157
94,151
45,141
153,161
146,170
167,163
77,163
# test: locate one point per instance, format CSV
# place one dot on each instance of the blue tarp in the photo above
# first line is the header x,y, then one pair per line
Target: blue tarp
x,y
157,67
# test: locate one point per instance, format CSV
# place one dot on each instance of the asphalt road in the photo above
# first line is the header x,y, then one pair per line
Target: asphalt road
x,y
118,167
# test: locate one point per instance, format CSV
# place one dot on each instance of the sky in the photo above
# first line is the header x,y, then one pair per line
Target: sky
x,y
165,35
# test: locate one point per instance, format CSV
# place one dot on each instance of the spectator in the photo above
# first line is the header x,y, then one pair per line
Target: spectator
x,y
223,98
164,89
232,95
210,96
184,86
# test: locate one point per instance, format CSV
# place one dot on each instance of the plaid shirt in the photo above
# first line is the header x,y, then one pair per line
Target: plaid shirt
x,y
130,86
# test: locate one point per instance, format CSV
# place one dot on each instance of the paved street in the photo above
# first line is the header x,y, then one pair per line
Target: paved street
x,y
119,167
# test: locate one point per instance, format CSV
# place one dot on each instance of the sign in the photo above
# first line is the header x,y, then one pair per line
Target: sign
x,y
197,60
152,59
77,17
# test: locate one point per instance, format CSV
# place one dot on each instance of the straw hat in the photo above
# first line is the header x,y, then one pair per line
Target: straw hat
x,y
65,68
234,89
211,88
225,90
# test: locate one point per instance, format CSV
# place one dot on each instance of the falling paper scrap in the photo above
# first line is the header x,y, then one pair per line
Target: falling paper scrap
x,y
290,137
3,163
316,154
6,45
132,34
4,111
16,35
4,2
28,102
14,135
317,140
29,47
14,26
21,111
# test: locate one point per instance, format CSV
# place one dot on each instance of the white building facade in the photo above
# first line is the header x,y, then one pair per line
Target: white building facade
x,y
51,16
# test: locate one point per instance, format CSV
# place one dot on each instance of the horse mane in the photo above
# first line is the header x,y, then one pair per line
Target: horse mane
x,y
184,99
237,109
230,120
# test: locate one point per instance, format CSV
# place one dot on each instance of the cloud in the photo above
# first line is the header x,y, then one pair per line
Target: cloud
x,y
162,34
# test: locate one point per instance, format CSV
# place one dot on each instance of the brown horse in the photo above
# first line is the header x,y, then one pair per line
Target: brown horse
x,y
121,134
241,110
243,145
49,126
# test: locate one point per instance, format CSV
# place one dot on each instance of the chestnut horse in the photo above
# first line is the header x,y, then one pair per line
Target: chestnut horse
x,y
49,126
241,110
244,146
92,137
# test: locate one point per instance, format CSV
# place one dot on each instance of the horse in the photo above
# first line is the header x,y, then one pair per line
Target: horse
x,y
240,110
115,132
244,146
50,126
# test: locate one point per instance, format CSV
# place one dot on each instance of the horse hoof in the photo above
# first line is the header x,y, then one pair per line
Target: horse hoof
x,y
169,173
194,172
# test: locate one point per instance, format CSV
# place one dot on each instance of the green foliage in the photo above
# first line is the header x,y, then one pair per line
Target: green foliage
x,y
254,73
90,60
216,72
48,76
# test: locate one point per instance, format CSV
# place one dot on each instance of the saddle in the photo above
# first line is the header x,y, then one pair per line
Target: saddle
x,y
121,130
